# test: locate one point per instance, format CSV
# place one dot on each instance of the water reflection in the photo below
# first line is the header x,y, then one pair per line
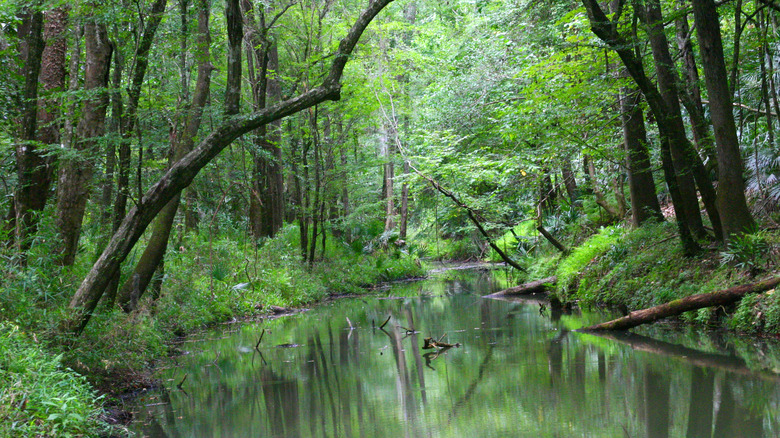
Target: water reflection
x,y
519,372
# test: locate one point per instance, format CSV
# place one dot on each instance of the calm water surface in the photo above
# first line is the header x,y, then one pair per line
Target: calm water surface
x,y
519,372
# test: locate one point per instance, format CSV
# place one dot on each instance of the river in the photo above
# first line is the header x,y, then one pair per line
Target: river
x,y
518,372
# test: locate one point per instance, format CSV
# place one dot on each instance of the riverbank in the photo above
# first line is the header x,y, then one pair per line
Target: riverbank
x,y
207,282
632,269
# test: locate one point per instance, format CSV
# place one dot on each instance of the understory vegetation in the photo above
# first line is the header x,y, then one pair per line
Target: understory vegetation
x,y
168,165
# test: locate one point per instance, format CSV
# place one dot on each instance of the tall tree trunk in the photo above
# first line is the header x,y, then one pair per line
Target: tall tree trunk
x,y
606,31
266,203
153,255
687,162
569,181
77,170
32,174
388,174
235,34
690,94
644,202
404,203
731,187
115,127
128,122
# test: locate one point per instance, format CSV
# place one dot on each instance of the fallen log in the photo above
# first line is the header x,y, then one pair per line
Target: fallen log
x,y
527,288
693,302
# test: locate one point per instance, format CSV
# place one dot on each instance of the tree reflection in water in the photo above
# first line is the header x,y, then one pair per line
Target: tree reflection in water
x,y
518,373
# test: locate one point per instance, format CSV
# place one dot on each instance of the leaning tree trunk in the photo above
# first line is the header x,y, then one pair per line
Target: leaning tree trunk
x,y
153,255
181,174
731,187
76,171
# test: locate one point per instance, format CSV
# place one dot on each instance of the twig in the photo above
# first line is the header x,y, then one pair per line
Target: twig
x,y
182,381
260,340
351,327
386,321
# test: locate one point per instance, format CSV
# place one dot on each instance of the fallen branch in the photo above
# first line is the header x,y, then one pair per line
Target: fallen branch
x,y
384,323
527,288
693,302
471,214
429,343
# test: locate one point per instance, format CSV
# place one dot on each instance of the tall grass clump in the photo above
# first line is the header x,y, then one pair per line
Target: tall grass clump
x,y
38,396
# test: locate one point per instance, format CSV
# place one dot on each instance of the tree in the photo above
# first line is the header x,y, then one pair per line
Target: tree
x,y
152,258
77,168
182,172
32,185
731,187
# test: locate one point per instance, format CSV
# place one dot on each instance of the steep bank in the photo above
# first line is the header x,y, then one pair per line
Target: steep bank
x,y
644,267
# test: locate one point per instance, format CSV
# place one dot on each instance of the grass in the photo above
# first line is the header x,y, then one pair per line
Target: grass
x,y
39,397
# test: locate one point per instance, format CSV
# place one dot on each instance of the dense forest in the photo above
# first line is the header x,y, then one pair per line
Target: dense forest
x,y
167,165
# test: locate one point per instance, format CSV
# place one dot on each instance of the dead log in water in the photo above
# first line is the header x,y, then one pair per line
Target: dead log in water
x,y
527,288
677,307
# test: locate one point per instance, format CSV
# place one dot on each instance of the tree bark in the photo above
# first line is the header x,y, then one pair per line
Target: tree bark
x,y
569,181
687,162
31,165
153,255
266,210
235,33
77,170
181,174
731,188
606,31
677,307
644,202
690,95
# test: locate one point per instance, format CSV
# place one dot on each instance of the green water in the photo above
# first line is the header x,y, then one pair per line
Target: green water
x,y
331,372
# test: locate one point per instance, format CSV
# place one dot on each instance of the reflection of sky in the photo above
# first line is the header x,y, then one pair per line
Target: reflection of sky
x,y
517,373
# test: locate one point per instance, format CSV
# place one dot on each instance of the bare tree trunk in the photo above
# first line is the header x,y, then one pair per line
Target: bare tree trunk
x,y
404,203
690,94
76,172
687,162
388,173
32,175
644,202
604,28
266,203
731,189
569,182
154,253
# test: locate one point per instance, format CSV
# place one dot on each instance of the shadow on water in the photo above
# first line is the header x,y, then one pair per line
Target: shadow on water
x,y
519,371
